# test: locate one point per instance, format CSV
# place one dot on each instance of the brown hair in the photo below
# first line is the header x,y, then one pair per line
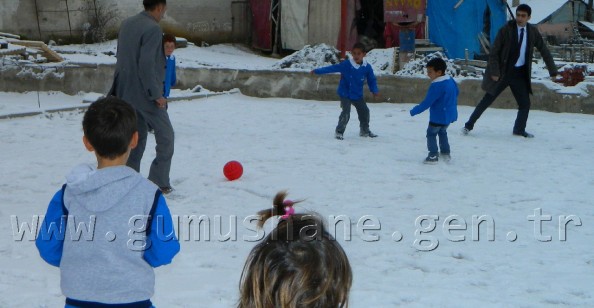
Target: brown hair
x,y
168,38
299,264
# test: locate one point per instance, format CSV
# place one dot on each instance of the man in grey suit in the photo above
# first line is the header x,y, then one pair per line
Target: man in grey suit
x,y
138,80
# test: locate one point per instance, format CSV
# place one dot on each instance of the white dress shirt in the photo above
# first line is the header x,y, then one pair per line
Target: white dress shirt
x,y
522,58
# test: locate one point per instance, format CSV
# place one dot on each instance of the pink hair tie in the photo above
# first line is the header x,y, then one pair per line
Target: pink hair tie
x,y
289,210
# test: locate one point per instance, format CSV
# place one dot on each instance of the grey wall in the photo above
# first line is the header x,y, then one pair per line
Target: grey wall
x,y
95,78
197,20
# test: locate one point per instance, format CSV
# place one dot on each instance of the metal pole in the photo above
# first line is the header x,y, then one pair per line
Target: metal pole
x,y
275,49
37,15
509,9
343,27
68,15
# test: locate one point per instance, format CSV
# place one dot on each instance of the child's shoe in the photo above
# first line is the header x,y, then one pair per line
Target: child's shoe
x,y
338,136
445,157
166,190
465,131
367,134
431,159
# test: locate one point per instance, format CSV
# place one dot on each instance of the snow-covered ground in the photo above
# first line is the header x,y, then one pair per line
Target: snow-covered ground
x,y
289,144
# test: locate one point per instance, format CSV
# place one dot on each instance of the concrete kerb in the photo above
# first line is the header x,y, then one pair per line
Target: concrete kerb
x,y
86,105
286,84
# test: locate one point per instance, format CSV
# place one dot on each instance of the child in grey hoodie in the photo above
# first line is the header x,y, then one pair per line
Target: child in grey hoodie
x,y
108,226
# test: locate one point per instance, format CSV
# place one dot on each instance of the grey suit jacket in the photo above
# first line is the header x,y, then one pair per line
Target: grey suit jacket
x,y
140,68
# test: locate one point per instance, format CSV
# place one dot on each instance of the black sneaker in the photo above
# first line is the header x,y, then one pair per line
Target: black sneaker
x,y
166,190
367,134
524,134
431,159
339,136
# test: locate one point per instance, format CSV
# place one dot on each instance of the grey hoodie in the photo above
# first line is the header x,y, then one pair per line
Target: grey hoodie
x,y
107,265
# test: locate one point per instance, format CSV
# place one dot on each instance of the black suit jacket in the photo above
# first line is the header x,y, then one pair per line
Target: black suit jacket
x,y
500,56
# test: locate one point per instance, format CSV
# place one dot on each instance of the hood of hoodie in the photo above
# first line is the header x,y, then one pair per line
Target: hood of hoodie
x,y
99,189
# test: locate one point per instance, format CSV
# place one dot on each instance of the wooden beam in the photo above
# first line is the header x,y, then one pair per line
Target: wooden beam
x,y
10,35
48,53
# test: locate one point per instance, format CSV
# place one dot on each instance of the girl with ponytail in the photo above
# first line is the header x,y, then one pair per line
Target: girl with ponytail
x,y
299,264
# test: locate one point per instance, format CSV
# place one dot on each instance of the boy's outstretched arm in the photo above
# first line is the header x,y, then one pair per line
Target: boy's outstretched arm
x,y
50,239
164,244
432,96
336,68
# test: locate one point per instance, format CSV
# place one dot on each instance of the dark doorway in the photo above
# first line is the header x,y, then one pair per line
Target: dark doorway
x,y
370,23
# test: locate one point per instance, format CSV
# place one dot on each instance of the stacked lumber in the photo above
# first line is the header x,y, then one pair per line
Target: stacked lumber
x,y
22,45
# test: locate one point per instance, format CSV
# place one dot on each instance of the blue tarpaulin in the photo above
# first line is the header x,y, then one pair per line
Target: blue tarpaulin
x,y
457,29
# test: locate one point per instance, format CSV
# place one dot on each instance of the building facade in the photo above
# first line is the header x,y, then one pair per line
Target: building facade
x,y
210,21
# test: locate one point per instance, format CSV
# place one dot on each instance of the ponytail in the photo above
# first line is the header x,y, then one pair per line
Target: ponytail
x,y
280,207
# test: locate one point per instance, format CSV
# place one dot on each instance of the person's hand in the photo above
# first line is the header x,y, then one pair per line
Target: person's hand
x,y
161,102
495,78
376,95
312,72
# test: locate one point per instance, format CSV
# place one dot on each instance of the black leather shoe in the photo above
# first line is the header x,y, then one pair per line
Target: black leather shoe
x,y
524,134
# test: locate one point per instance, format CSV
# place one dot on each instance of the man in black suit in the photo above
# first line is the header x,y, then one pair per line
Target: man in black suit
x,y
510,64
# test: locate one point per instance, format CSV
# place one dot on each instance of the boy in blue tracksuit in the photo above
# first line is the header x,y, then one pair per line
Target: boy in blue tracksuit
x,y
170,75
353,73
442,98
127,228
170,78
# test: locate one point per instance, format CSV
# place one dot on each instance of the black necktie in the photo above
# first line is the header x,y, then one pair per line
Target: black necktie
x,y
520,43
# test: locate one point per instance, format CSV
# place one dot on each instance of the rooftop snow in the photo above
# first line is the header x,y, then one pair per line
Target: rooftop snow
x,y
541,9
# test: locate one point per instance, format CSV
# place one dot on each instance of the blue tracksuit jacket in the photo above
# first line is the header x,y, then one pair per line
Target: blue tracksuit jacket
x,y
442,98
352,78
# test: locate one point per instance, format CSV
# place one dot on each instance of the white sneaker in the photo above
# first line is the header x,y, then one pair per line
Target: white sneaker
x,y
465,131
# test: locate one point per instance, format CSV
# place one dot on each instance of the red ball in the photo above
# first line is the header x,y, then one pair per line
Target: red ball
x,y
233,170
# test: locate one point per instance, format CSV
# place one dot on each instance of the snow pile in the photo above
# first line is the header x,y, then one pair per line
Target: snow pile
x,y
381,60
310,57
417,67
107,48
40,72
10,48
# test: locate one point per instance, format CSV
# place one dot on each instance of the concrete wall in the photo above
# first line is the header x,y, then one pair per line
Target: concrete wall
x,y
197,20
98,78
